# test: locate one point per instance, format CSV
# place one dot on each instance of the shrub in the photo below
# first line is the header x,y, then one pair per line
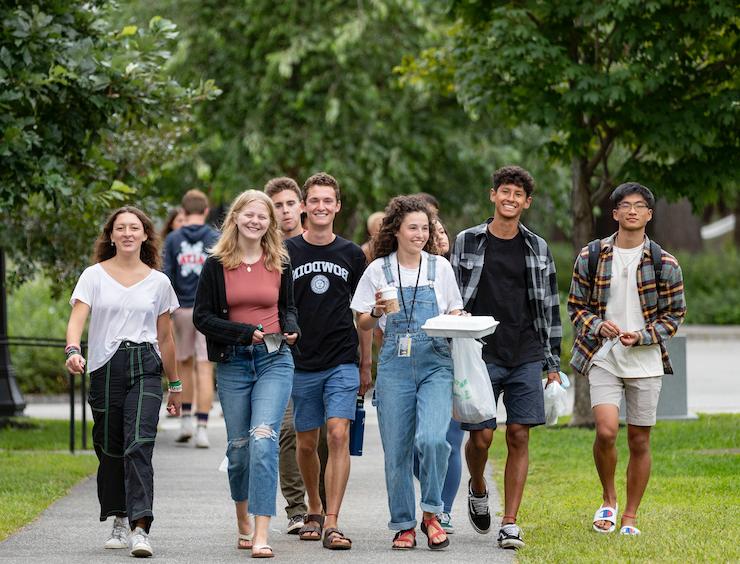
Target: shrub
x,y
32,312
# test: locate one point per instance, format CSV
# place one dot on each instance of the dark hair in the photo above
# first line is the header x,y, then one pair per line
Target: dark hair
x,y
321,179
435,221
194,202
624,190
149,254
515,175
280,184
385,241
430,200
169,222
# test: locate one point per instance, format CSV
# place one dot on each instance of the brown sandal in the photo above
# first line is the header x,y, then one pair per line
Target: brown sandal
x,y
311,532
406,536
433,530
334,539
244,541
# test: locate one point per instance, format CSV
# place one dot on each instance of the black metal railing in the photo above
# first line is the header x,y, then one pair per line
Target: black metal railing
x,y
61,343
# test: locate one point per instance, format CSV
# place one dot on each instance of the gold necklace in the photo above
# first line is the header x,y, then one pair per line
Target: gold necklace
x,y
249,264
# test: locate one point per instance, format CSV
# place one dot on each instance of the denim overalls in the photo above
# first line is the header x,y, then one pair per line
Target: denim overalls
x,y
414,395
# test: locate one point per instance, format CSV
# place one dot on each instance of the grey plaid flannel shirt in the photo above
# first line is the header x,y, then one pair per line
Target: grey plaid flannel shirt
x,y
467,256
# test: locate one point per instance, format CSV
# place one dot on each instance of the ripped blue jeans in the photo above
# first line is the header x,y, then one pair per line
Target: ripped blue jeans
x,y
254,388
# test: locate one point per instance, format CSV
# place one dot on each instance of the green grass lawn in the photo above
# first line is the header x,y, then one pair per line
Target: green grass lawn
x,y
690,511
35,471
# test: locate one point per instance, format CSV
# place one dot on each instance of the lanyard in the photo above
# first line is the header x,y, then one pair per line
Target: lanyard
x,y
413,299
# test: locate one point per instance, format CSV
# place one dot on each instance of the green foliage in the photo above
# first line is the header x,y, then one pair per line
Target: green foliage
x,y
712,292
624,90
34,312
81,106
694,472
311,86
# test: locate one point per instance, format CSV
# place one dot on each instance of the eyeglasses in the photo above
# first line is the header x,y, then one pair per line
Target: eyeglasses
x,y
638,206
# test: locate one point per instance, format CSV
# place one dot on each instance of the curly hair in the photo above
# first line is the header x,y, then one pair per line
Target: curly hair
x,y
149,253
515,175
385,242
226,250
321,179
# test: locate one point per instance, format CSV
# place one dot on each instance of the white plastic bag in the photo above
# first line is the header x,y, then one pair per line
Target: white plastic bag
x,y
556,402
472,394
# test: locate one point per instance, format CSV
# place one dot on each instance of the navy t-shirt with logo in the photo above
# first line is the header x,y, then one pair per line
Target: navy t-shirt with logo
x,y
325,278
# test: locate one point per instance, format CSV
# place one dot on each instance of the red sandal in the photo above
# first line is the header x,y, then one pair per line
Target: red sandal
x,y
407,536
434,531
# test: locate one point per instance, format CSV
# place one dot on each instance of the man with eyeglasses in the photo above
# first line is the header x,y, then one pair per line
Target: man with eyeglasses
x,y
623,313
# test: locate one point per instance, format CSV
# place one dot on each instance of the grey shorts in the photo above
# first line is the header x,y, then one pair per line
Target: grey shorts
x,y
523,397
641,394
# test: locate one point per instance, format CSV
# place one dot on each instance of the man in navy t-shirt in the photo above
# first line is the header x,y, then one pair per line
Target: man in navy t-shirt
x,y
326,270
185,251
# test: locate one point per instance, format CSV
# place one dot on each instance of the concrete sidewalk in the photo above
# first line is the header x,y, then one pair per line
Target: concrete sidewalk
x,y
194,516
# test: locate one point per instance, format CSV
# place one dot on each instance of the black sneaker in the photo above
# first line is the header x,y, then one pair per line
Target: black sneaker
x,y
294,524
510,536
478,513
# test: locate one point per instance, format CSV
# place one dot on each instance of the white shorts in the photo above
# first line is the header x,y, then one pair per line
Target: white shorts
x,y
641,394
188,340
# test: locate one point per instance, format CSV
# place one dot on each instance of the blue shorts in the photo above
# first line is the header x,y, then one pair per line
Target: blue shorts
x,y
321,395
524,399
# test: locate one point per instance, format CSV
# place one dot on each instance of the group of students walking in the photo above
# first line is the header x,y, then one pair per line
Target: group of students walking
x,y
289,311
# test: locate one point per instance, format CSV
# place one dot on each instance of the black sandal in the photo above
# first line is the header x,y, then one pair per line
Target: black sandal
x,y
333,534
308,531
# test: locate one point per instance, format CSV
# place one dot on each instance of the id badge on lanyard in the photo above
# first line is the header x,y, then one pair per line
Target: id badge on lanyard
x,y
404,346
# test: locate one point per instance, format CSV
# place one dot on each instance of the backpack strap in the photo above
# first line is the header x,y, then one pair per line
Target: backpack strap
x,y
388,271
594,249
656,254
431,269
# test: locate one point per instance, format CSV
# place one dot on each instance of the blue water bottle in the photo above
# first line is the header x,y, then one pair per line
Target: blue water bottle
x,y
357,428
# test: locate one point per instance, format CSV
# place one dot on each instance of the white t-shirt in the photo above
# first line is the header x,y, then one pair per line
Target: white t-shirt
x,y
623,308
373,279
121,314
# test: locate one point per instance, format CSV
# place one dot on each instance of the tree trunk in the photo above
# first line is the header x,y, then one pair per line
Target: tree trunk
x,y
583,232
737,225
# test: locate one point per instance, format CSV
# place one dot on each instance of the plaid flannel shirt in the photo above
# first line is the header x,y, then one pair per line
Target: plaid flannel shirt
x,y
663,305
467,257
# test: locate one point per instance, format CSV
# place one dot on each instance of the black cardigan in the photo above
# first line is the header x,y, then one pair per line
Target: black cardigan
x,y
211,312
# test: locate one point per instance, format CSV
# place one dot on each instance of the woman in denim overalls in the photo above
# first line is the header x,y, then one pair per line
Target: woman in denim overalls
x,y
414,379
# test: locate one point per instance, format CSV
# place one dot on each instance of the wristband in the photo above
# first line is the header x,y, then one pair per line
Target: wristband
x,y
174,384
375,316
72,350
175,389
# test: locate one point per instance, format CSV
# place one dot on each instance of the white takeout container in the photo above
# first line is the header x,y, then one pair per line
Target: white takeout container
x,y
466,326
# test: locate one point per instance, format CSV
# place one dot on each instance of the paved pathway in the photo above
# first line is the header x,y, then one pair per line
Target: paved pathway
x,y
194,517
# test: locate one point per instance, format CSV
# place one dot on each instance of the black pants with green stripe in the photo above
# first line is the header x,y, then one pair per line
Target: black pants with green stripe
x,y
125,397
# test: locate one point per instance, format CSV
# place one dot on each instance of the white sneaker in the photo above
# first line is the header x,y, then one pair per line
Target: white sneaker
x,y
201,437
186,429
140,546
119,535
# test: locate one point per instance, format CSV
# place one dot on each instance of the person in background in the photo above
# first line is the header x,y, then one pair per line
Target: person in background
x,y
175,220
414,382
244,306
185,251
286,195
130,346
374,222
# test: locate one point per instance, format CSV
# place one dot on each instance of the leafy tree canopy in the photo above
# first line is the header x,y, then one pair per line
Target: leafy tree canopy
x,y
87,114
627,89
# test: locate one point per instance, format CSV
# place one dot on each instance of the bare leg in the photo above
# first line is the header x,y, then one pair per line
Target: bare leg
x,y
606,417
337,468
185,371
261,530
308,463
517,466
638,470
476,456
243,524
205,387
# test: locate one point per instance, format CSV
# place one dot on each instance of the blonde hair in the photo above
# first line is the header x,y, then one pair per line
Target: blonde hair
x,y
226,250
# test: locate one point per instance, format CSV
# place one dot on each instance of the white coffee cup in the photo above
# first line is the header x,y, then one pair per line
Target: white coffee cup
x,y
390,295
